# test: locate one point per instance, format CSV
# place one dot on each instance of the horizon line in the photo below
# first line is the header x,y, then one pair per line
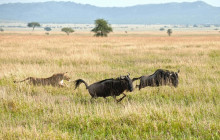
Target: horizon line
x,y
107,6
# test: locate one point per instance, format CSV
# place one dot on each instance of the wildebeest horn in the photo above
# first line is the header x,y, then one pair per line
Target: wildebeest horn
x,y
178,71
128,74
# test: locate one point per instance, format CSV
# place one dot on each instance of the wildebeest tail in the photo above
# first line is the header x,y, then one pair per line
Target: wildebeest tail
x,y
79,81
134,79
22,80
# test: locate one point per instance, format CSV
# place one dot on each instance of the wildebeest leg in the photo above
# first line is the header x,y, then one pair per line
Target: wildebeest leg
x,y
139,87
115,98
121,98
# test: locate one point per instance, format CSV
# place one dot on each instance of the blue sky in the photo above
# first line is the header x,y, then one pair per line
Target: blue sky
x,y
117,3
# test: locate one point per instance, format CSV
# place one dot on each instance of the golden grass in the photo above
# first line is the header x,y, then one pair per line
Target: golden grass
x,y
190,111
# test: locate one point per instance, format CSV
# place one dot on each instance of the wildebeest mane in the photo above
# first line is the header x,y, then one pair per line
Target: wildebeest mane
x,y
105,80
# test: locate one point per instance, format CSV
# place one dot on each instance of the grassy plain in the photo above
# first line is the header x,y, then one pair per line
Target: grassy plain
x,y
190,111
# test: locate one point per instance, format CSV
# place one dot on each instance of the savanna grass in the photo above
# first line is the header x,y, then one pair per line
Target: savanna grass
x,y
190,111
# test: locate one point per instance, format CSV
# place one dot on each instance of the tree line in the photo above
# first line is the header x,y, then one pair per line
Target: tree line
x,y
102,28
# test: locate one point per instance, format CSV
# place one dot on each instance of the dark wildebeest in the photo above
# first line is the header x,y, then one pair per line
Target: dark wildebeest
x,y
159,78
108,87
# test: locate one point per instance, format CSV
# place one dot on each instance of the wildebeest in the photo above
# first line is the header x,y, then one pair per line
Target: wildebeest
x,y
108,87
160,77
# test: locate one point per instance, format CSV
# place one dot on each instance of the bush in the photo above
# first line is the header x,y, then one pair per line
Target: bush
x,y
162,29
1,30
47,29
67,30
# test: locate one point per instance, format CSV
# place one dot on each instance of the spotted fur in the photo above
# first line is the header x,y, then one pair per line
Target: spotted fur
x,y
55,80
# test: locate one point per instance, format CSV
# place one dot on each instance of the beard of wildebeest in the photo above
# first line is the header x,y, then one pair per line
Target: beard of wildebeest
x,y
109,87
159,78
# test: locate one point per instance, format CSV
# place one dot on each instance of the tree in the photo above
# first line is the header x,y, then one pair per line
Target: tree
x,y
169,32
102,28
162,29
67,30
47,29
1,30
33,24
195,26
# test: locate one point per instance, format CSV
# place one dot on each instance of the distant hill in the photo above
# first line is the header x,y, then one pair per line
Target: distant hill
x,y
70,12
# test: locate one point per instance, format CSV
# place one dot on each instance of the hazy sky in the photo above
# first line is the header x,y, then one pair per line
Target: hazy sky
x,y
116,3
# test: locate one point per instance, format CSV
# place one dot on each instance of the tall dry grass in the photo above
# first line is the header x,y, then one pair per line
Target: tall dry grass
x,y
190,111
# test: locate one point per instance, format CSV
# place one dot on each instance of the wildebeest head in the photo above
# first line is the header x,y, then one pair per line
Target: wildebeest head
x,y
128,82
174,78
